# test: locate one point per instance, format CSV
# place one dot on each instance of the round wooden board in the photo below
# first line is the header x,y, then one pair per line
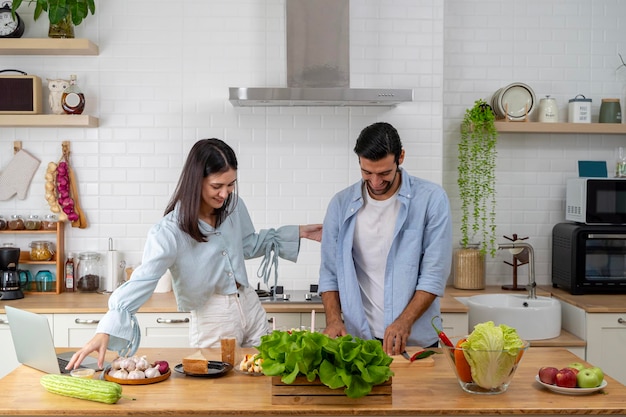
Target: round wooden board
x,y
144,381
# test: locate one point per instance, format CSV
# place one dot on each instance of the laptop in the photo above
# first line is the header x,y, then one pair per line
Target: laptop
x,y
34,345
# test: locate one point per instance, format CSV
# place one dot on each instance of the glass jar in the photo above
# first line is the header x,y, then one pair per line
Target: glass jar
x,y
88,272
50,222
16,222
3,223
41,250
32,223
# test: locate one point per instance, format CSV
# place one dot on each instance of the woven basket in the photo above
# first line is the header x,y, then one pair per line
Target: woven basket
x,y
469,269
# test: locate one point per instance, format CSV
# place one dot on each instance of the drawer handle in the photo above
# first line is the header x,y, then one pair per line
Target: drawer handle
x,y
172,321
82,321
621,321
2,321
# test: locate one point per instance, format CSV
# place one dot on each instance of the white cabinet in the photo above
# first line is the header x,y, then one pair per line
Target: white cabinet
x,y
74,330
605,334
606,338
455,324
165,330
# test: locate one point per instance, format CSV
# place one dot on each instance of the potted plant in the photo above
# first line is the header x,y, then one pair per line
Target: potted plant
x,y
62,14
476,181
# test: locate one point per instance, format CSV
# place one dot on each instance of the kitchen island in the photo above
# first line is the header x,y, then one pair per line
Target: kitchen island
x,y
416,390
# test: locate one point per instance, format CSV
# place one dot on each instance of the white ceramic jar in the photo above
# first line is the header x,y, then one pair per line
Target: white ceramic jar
x,y
548,110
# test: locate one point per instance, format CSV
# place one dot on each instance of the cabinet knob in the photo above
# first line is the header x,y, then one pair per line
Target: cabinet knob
x,y
621,321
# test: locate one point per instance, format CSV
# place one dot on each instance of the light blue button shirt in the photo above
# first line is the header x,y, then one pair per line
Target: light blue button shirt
x,y
199,269
419,258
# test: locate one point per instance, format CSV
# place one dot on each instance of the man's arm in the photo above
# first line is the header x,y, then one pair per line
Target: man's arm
x,y
398,332
332,309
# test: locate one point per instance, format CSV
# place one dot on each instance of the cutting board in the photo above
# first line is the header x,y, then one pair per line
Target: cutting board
x,y
400,361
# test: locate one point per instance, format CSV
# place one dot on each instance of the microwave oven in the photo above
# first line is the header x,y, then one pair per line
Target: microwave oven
x,y
596,200
589,259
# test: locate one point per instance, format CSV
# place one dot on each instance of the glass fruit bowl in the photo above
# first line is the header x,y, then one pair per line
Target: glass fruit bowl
x,y
483,371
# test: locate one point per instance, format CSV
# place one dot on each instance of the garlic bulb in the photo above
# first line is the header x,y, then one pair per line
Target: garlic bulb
x,y
141,364
136,375
128,364
152,372
120,374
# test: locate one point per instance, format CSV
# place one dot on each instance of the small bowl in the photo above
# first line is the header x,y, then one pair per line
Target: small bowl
x,y
464,372
86,373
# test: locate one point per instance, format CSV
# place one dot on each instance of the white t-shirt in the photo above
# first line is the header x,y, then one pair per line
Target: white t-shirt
x,y
372,239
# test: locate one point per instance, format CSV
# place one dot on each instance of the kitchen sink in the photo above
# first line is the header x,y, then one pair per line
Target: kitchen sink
x,y
534,319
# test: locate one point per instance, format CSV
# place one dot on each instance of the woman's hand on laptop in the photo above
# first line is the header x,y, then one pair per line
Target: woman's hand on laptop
x,y
98,344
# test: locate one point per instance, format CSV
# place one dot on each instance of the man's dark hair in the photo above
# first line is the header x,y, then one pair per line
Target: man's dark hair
x,y
377,141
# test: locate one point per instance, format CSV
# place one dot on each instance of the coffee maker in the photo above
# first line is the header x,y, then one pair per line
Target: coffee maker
x,y
9,275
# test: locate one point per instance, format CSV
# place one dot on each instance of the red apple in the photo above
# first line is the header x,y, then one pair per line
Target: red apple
x,y
573,370
565,378
547,374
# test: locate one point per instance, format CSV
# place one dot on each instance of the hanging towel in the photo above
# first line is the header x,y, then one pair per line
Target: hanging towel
x,y
16,177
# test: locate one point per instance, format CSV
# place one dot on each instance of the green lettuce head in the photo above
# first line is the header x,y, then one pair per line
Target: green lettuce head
x,y
491,351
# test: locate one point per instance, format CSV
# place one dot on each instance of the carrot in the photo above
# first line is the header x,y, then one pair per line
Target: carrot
x,y
462,367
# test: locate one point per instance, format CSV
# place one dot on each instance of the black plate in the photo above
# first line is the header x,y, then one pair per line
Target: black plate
x,y
216,369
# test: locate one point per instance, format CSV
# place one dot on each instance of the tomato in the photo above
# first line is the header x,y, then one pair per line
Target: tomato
x,y
462,367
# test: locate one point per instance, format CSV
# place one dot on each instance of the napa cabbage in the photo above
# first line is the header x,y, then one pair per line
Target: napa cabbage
x,y
491,351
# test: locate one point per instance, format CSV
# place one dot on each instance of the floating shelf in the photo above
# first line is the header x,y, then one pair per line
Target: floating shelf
x,y
48,120
47,46
570,128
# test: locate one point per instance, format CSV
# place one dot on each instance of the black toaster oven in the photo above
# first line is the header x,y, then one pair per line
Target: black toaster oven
x,y
589,259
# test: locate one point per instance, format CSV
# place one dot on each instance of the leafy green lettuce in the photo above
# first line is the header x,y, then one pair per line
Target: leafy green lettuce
x,y
491,351
345,361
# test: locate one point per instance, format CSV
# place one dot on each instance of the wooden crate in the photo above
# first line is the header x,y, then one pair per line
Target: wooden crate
x,y
305,392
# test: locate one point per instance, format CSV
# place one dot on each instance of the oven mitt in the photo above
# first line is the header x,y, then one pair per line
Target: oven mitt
x,y
16,177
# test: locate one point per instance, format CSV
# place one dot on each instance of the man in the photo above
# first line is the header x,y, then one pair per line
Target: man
x,y
386,249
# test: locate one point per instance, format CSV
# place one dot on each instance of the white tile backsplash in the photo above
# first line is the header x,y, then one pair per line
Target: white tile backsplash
x,y
161,82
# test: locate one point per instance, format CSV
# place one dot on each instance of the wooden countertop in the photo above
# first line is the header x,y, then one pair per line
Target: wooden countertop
x,y
592,303
416,390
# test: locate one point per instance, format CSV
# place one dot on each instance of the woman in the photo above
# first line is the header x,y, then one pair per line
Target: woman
x,y
203,239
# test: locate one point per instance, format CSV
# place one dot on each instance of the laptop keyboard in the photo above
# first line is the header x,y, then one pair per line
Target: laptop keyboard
x,y
62,364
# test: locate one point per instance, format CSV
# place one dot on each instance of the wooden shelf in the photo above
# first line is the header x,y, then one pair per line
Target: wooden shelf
x,y
570,128
48,120
47,46
57,262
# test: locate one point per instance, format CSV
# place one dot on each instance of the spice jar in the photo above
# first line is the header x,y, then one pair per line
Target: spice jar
x,y
41,250
32,222
3,223
16,222
50,222
88,272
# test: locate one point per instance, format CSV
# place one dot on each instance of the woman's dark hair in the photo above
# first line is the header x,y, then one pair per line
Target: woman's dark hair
x,y
206,157
377,141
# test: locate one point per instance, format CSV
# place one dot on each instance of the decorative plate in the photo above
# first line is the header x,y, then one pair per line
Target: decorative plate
x,y
516,99
143,381
572,391
216,369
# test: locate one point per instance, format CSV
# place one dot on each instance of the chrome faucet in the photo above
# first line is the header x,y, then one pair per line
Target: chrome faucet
x,y
532,285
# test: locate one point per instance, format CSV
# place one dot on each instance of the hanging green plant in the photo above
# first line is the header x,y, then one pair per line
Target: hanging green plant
x,y
477,178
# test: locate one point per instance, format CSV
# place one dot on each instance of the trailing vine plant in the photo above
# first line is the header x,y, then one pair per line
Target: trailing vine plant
x,y
476,181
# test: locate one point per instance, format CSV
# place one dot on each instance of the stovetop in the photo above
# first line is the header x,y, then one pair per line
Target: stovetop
x,y
279,295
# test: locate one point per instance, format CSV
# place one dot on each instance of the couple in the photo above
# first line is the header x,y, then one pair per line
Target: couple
x,y
386,252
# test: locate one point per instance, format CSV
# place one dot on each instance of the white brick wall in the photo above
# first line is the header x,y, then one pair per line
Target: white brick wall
x,y
558,48
161,82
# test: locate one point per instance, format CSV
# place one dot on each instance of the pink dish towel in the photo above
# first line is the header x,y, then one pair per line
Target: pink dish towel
x,y
17,176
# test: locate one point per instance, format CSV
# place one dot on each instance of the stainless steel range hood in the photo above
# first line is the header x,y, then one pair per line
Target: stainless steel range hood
x,y
318,63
